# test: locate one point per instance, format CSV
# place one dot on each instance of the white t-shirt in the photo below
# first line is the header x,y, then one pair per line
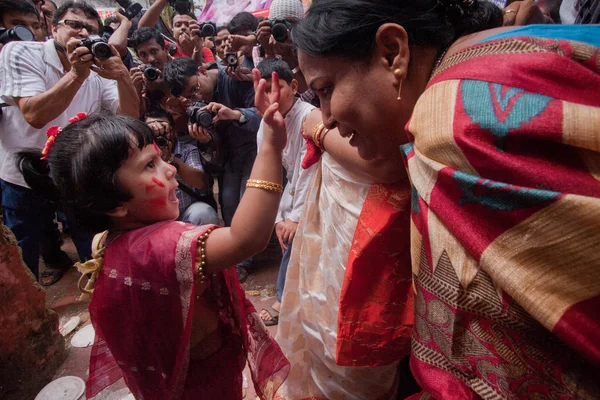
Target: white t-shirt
x,y
299,180
26,70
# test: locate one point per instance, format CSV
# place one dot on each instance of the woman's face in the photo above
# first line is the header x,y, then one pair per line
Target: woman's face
x,y
358,99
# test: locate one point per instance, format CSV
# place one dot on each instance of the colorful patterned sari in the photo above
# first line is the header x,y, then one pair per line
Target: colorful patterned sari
x,y
505,166
168,336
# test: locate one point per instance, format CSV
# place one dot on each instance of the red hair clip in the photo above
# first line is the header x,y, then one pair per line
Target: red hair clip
x,y
78,117
53,132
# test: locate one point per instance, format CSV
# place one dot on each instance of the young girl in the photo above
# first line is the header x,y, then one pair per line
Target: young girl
x,y
169,314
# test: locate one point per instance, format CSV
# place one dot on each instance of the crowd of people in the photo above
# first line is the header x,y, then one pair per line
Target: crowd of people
x,y
430,169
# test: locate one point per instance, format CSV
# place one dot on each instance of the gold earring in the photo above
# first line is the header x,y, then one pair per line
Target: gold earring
x,y
398,73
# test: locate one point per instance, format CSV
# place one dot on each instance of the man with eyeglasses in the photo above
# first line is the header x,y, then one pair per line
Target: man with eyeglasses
x,y
45,84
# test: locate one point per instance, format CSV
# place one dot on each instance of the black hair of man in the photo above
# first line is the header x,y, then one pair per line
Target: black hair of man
x,y
87,10
222,28
243,21
21,6
269,65
111,20
158,112
190,14
177,72
144,35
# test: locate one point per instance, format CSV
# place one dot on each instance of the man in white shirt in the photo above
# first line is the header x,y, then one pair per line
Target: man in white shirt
x,y
44,85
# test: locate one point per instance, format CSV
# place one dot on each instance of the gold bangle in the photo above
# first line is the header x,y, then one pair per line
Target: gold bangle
x,y
322,139
202,261
266,185
317,132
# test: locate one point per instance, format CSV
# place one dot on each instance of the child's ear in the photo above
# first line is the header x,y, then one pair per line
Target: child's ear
x,y
118,212
294,86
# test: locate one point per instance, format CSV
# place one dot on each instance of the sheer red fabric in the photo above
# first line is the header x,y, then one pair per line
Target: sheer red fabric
x,y
142,310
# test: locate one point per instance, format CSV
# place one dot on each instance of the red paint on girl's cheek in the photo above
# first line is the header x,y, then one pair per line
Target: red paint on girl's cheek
x,y
160,202
158,182
156,147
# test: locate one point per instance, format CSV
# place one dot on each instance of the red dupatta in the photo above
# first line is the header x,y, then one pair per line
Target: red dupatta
x,y
376,315
142,310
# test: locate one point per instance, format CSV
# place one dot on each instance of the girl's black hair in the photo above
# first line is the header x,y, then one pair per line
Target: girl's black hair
x,y
347,28
81,169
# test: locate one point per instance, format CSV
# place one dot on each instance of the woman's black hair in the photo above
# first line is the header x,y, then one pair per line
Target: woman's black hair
x,y
347,28
81,169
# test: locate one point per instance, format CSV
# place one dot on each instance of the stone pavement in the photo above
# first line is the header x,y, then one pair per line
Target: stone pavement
x,y
63,297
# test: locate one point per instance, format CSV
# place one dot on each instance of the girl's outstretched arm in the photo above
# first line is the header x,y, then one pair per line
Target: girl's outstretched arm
x,y
254,218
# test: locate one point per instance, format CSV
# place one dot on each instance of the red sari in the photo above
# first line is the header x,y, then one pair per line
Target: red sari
x,y
506,223
142,310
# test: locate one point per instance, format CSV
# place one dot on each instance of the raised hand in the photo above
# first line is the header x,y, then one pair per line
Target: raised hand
x,y
267,104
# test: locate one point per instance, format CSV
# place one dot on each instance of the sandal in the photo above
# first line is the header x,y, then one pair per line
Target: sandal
x,y
52,276
274,314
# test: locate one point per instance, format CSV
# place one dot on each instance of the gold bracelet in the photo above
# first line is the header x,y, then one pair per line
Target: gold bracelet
x,y
202,262
266,185
321,138
318,129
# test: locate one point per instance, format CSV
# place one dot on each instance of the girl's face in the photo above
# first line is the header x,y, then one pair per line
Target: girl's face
x,y
151,182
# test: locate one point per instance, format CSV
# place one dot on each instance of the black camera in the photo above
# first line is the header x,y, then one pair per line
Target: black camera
x,y
280,29
97,46
150,73
231,59
200,116
18,33
162,141
208,29
181,6
130,9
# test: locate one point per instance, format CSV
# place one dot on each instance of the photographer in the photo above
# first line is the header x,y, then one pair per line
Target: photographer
x,y
287,13
186,31
45,84
241,41
116,30
21,12
235,123
196,202
151,50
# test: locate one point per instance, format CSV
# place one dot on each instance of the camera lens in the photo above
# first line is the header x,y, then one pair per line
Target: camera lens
x,y
101,51
151,73
280,32
162,142
18,33
208,30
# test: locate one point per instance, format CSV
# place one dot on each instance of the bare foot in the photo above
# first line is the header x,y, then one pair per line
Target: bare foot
x,y
265,316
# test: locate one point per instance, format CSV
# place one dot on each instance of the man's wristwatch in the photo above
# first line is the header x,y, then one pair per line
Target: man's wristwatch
x,y
243,118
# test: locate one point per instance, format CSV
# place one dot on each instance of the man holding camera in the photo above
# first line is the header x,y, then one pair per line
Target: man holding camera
x,y
196,202
19,13
235,123
149,81
186,31
45,84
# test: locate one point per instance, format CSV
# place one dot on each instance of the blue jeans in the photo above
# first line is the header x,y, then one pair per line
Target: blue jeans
x,y
29,216
237,172
283,267
200,213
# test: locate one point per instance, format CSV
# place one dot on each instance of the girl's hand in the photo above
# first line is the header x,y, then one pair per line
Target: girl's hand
x,y
267,105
